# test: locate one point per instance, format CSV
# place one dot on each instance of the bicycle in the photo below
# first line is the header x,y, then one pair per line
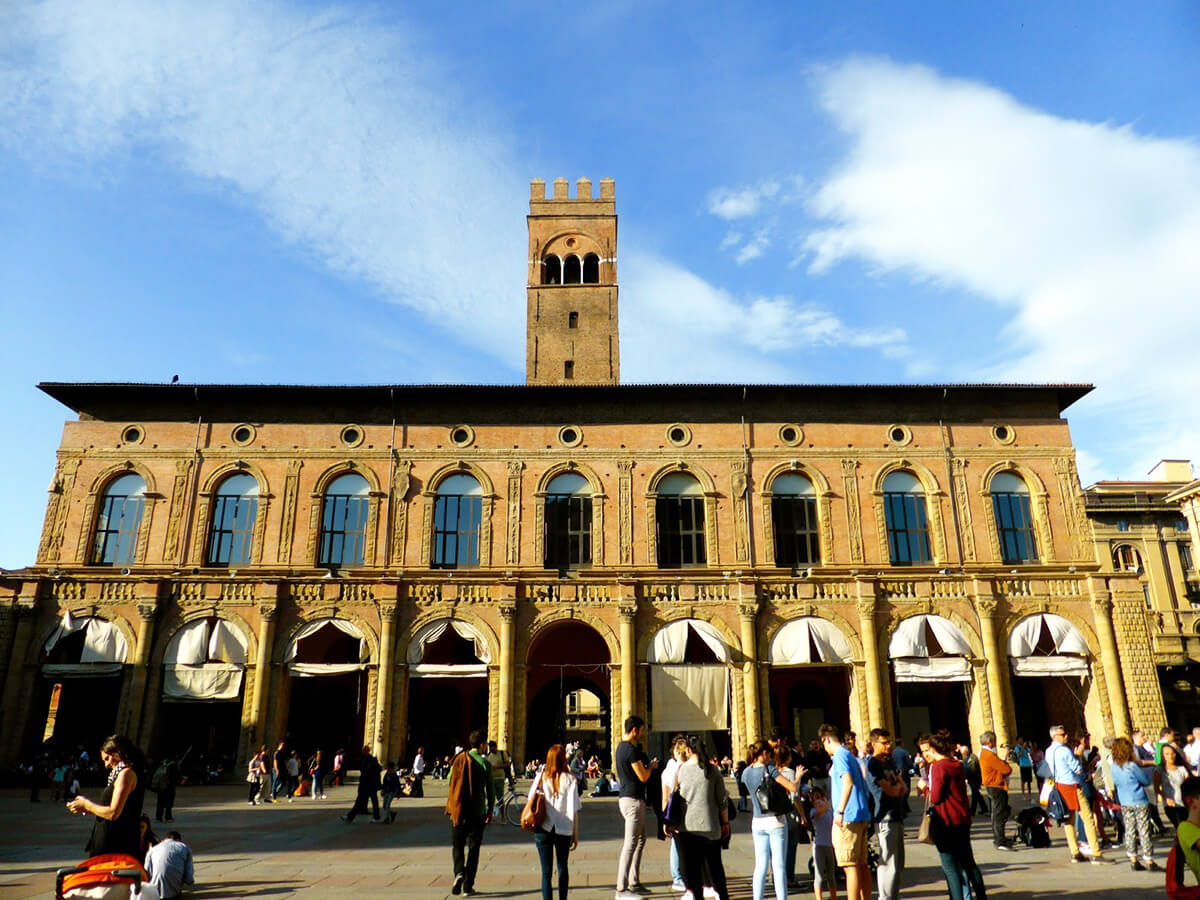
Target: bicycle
x,y
510,806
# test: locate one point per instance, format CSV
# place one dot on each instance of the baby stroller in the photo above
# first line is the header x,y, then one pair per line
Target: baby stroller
x,y
112,876
1032,830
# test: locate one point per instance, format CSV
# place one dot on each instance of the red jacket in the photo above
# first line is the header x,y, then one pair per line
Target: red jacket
x,y
948,791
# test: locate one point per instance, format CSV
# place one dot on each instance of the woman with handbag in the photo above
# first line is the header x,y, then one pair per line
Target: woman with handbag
x,y
554,799
769,826
949,816
703,822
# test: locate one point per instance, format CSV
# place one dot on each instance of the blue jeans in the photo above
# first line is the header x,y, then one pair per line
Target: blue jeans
x,y
676,872
770,848
963,878
551,844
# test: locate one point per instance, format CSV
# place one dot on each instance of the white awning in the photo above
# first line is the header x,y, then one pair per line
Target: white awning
x,y
937,668
794,643
1070,656
670,641
909,638
315,670
689,698
313,627
200,642
82,670
206,682
430,670
102,642
434,630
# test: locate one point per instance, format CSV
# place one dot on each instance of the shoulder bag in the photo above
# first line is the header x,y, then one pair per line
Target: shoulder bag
x,y
925,829
673,812
772,796
534,813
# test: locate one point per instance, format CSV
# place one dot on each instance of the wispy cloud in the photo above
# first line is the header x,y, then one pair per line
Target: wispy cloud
x,y
1085,231
738,203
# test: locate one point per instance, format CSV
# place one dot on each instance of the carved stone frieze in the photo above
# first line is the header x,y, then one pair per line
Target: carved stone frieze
x,y
287,523
512,553
55,524
625,510
853,508
962,500
401,484
739,487
178,509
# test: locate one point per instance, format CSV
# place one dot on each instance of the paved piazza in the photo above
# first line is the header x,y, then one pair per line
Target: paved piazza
x,y
302,849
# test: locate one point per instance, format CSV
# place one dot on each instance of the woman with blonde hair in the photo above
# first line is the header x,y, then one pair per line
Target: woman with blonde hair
x,y
558,835
1131,778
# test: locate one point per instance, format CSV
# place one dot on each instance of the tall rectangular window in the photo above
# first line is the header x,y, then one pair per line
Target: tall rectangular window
x,y
456,521
797,542
907,529
680,531
343,530
568,531
1014,528
117,529
232,531
1185,557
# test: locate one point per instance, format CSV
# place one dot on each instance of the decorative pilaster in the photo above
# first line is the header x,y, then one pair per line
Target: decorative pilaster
x,y
853,510
961,496
504,706
512,554
625,510
401,482
287,519
739,486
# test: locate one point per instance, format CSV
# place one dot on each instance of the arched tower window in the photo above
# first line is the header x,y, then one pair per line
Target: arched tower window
x,y
457,513
906,516
568,522
1014,519
1127,559
551,270
571,270
794,519
344,521
679,514
119,520
591,269
231,536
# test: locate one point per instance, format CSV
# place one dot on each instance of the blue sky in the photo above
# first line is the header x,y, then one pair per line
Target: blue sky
x,y
849,192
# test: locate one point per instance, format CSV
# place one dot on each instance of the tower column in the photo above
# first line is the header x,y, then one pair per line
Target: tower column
x,y
262,672
628,613
878,714
748,614
387,666
997,667
1102,607
504,717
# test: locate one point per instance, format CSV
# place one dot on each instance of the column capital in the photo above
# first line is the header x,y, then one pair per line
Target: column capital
x,y
146,610
1102,604
748,609
627,612
508,612
866,606
387,611
267,612
986,605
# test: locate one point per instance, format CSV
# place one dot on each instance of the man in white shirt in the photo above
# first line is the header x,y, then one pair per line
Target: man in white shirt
x,y
1192,750
169,865
418,773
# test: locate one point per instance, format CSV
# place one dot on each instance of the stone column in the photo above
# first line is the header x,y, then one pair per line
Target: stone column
x,y
627,612
14,714
262,671
131,715
996,662
383,695
748,612
1102,607
878,709
508,640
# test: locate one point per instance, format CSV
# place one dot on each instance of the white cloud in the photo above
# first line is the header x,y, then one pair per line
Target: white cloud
x,y
755,247
336,128
676,327
738,203
731,240
1087,232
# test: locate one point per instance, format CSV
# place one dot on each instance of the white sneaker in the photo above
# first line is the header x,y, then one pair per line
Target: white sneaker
x,y
710,893
687,895
678,886
626,895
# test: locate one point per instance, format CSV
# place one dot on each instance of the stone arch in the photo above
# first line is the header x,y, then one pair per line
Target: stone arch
x,y
1086,629
83,611
204,504
968,630
707,486
933,506
824,506
346,467
429,493
731,638
329,611
83,552
549,619
446,612
598,498
167,634
1039,503
585,243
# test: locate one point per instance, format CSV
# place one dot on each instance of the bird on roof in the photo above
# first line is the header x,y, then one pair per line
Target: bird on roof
x,y
174,379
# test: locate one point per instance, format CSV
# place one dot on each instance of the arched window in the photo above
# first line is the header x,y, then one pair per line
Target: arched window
x,y
568,522
1014,519
344,521
119,520
232,534
1127,559
457,513
551,270
571,270
591,269
794,519
905,514
679,514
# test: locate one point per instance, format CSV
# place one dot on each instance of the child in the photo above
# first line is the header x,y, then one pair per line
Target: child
x,y
390,788
824,861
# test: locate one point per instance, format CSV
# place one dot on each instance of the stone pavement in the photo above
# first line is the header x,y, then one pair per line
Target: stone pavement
x,y
302,849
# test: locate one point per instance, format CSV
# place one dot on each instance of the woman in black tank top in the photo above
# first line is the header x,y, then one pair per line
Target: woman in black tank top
x,y
120,807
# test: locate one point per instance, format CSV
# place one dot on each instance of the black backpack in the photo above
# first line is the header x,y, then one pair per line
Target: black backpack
x,y
772,796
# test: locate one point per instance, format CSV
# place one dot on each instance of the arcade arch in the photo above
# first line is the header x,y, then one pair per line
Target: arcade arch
x,y
932,676
1050,664
568,689
448,684
810,676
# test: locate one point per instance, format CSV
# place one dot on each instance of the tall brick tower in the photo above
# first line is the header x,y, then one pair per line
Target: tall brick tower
x,y
571,326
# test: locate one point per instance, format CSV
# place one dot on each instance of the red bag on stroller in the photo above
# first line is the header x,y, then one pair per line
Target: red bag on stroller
x,y
111,875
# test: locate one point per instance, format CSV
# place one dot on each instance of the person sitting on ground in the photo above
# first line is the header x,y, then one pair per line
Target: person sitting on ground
x,y
169,865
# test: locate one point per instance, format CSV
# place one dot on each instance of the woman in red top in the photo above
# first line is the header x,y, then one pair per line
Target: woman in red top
x,y
946,790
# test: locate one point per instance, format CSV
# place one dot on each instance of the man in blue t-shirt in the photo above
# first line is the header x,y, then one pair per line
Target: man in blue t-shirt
x,y
851,815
